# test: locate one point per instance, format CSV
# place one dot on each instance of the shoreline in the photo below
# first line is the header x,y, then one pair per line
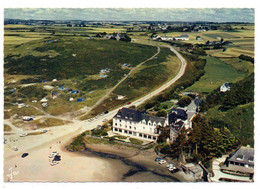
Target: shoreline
x,y
139,157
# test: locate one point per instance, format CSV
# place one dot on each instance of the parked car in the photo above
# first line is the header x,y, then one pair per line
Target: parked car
x,y
24,155
53,154
15,148
44,131
162,161
172,168
23,135
129,103
106,112
157,159
170,165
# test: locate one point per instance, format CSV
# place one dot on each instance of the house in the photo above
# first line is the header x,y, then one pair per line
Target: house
x,y
178,113
194,170
182,38
131,122
198,38
225,87
71,99
240,162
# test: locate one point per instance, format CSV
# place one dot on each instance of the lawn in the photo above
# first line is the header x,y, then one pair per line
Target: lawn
x,y
217,72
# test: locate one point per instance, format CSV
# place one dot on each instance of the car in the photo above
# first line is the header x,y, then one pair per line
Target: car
x,y
15,148
23,135
53,154
162,161
44,131
129,103
24,155
157,159
170,165
172,168
104,120
106,112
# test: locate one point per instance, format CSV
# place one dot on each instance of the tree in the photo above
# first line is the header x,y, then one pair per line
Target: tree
x,y
161,113
184,101
179,145
165,133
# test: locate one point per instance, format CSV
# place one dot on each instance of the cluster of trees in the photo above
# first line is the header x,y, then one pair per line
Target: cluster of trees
x,y
184,101
202,143
247,58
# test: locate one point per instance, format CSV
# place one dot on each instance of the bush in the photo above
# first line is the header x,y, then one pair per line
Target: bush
x,y
184,101
161,113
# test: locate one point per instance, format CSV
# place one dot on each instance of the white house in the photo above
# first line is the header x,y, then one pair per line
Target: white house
x,y
133,123
182,38
225,87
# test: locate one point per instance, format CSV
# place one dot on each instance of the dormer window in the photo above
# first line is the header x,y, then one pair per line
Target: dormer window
x,y
118,116
251,159
239,157
126,117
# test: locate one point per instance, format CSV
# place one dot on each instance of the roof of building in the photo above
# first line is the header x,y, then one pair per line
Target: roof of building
x,y
180,113
153,119
227,85
243,155
136,115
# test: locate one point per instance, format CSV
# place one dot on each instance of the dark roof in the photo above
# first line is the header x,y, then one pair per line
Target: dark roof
x,y
129,114
153,119
136,115
243,155
180,113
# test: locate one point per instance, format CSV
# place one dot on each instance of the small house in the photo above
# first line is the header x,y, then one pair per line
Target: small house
x,y
71,99
198,38
225,87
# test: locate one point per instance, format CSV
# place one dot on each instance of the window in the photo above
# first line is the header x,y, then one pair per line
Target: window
x,y
149,124
154,138
145,136
120,130
125,126
116,129
149,137
231,162
126,131
134,133
130,127
120,120
120,125
130,123
140,135
115,124
130,132
134,128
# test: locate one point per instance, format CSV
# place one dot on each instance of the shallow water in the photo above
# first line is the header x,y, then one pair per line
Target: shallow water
x,y
134,172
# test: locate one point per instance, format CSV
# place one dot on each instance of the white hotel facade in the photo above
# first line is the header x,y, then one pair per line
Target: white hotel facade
x,y
132,123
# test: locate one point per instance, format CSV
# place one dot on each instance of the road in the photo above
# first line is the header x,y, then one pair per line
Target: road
x,y
34,144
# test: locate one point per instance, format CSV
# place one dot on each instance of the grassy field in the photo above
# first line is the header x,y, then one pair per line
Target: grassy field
x,y
73,67
217,72
148,77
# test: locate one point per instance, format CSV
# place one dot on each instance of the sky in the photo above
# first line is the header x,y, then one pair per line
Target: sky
x,y
134,14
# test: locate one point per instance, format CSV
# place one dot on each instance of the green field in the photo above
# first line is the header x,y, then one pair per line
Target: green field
x,y
217,72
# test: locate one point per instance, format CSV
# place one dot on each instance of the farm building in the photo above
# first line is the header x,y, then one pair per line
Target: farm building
x,y
182,38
